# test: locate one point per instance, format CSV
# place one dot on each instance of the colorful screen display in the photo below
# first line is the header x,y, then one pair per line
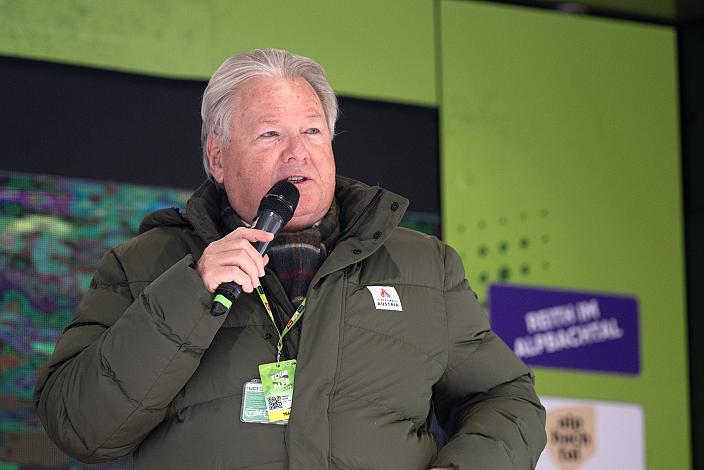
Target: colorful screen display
x,y
53,232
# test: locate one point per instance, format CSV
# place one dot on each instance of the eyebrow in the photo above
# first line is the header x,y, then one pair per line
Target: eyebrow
x,y
273,120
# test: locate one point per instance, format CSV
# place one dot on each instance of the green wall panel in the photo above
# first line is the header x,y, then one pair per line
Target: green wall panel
x,y
560,167
364,45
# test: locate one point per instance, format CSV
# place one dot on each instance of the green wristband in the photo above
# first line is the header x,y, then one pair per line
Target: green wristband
x,y
227,303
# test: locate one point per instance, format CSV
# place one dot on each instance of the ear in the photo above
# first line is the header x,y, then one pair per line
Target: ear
x,y
214,151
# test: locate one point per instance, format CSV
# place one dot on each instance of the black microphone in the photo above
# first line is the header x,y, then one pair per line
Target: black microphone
x,y
275,211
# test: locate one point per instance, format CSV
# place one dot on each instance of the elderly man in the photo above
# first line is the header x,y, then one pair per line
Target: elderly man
x,y
390,337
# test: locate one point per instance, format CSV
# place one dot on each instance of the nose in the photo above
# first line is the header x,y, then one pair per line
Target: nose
x,y
295,149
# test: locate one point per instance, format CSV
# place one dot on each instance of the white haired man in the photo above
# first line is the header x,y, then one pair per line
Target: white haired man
x,y
382,332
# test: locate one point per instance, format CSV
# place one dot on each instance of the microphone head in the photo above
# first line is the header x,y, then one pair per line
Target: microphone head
x,y
281,199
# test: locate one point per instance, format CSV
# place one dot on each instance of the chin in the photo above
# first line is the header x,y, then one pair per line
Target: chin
x,y
298,224
302,222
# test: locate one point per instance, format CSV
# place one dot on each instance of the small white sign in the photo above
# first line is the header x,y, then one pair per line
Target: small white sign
x,y
593,435
385,298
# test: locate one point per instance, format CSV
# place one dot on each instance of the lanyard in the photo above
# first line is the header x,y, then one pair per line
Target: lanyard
x,y
296,316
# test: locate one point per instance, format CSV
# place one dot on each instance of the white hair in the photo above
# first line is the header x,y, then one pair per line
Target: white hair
x,y
218,99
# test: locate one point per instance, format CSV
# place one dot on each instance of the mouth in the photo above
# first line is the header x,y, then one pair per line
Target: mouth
x,y
296,179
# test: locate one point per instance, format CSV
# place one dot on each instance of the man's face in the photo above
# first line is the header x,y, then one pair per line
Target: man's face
x,y
278,131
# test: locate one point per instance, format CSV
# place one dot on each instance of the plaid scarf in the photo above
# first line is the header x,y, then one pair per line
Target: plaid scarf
x,y
294,257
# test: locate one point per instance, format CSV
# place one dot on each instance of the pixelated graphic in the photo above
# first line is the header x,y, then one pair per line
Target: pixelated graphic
x,y
53,232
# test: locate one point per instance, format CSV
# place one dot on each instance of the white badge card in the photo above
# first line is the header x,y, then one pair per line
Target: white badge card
x,y
385,298
254,403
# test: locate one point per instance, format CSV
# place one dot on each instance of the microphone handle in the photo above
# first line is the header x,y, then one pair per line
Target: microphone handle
x,y
228,292
225,295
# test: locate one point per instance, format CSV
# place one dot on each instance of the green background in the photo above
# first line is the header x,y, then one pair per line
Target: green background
x,y
559,140
560,167
370,48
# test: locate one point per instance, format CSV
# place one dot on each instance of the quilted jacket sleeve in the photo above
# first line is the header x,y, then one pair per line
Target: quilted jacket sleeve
x,y
123,359
485,400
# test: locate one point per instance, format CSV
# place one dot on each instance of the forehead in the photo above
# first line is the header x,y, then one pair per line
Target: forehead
x,y
262,96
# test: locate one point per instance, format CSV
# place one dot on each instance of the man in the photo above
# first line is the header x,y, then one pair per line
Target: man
x,y
391,335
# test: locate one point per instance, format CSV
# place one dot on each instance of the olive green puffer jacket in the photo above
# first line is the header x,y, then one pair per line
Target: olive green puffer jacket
x,y
145,368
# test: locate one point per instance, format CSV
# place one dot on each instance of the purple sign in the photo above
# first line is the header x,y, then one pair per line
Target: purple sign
x,y
567,329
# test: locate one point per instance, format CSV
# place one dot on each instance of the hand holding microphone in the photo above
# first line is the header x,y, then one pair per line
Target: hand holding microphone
x,y
235,262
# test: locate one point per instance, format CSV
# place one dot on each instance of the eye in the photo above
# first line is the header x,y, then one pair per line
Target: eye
x,y
270,134
313,130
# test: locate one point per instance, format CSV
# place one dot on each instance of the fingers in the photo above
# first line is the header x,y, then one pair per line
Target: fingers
x,y
250,264
234,259
242,239
217,276
249,234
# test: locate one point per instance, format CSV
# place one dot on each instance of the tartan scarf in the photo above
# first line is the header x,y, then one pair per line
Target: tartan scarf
x,y
294,257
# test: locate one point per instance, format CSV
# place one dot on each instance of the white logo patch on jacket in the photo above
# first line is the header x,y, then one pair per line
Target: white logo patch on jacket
x,y
385,298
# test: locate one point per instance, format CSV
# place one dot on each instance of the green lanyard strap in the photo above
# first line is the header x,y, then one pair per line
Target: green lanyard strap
x,y
296,316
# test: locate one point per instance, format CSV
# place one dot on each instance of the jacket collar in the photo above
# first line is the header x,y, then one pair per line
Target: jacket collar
x,y
366,211
368,214
202,211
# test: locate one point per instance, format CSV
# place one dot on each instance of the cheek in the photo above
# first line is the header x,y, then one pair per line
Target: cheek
x,y
326,162
247,167
327,176
330,172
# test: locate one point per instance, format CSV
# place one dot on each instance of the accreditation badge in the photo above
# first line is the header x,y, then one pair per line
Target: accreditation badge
x,y
253,403
277,385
